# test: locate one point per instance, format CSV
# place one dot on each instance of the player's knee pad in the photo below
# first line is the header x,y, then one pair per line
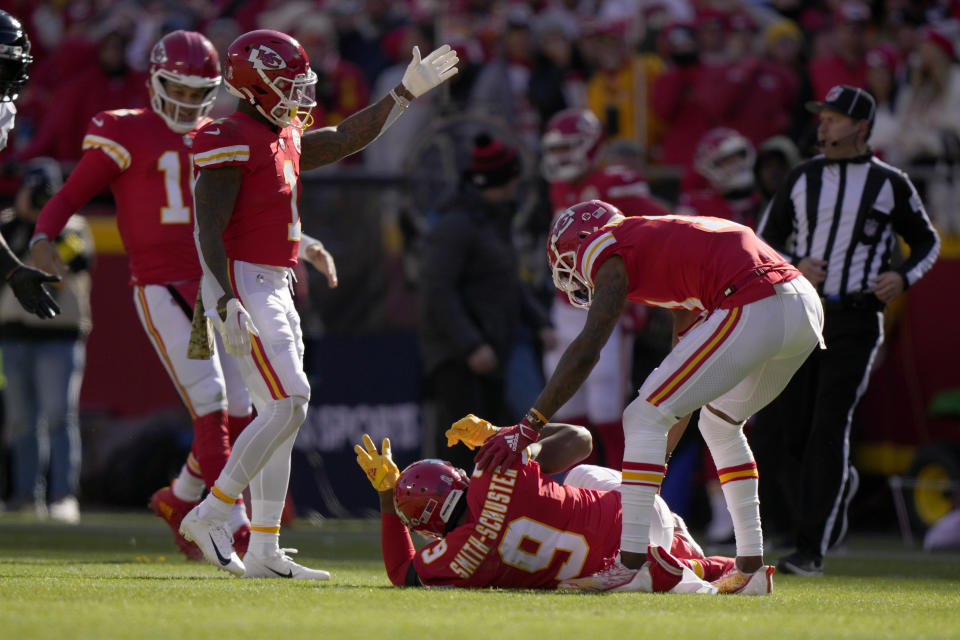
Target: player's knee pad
x,y
286,414
640,415
725,439
207,395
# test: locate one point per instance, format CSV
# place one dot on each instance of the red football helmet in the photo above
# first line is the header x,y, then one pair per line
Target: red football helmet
x,y
189,59
270,70
570,144
725,158
566,234
426,495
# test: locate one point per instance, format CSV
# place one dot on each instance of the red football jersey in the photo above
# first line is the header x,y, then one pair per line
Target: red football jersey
x,y
524,530
690,262
621,186
149,175
265,225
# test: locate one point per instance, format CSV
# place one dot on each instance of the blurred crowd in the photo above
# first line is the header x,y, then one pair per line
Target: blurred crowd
x,y
660,74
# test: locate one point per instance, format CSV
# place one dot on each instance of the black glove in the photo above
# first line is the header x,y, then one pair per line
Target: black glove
x,y
27,284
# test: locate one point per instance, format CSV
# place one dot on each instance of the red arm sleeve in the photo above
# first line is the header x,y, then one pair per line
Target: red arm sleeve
x,y
93,173
397,548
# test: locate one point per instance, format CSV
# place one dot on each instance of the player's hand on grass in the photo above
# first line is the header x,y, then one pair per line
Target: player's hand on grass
x,y
471,431
379,466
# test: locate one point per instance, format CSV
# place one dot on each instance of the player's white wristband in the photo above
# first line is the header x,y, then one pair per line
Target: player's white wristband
x,y
402,102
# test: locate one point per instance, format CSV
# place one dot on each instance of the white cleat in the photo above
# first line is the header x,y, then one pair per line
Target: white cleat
x,y
758,583
615,578
213,539
278,564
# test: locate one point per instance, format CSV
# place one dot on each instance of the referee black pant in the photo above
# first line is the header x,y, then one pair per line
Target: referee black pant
x,y
802,439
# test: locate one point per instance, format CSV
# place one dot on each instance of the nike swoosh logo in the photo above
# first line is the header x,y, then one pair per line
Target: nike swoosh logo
x,y
288,574
223,561
98,122
213,132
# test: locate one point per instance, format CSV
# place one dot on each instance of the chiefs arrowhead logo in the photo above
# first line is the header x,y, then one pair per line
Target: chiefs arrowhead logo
x,y
159,54
263,57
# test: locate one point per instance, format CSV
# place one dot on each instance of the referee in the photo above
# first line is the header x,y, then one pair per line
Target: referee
x,y
836,218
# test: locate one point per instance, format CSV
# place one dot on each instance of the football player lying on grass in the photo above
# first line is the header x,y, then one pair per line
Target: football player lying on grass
x,y
516,527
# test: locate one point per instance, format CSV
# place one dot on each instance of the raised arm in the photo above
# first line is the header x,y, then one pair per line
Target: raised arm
x,y
330,144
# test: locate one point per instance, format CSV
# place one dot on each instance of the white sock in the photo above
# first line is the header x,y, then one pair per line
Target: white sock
x,y
268,495
189,484
738,477
263,543
213,508
645,445
238,517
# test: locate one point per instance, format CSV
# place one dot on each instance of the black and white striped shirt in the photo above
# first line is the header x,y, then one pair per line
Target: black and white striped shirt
x,y
848,212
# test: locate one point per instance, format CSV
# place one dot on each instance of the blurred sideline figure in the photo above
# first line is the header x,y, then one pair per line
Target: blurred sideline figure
x,y
469,265
43,359
25,282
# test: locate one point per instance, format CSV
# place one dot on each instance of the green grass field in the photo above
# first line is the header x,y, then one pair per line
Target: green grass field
x,y
119,576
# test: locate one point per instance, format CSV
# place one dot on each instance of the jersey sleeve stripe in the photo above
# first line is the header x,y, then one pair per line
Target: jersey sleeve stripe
x,y
114,150
593,250
237,153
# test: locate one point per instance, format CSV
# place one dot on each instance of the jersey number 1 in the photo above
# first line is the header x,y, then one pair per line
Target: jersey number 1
x,y
293,229
176,212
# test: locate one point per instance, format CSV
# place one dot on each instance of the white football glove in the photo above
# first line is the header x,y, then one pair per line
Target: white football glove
x,y
237,329
423,75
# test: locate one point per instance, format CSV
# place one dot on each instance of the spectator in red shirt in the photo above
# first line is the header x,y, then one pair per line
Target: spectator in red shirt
x,y
755,94
683,96
846,64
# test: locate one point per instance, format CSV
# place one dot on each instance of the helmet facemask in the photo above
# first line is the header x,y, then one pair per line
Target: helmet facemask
x,y
160,99
567,279
565,159
297,100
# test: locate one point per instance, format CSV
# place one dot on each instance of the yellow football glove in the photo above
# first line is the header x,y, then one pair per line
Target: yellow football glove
x,y
379,467
471,431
